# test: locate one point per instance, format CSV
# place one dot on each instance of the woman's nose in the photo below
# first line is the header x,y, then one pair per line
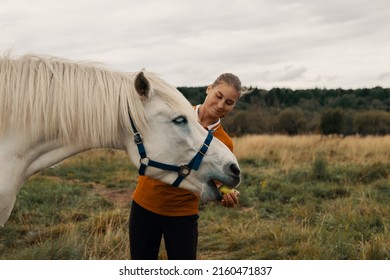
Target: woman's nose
x,y
220,104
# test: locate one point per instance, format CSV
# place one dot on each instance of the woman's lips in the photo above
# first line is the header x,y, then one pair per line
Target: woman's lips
x,y
218,111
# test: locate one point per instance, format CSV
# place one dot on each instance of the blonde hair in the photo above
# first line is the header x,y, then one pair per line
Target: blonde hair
x,y
233,81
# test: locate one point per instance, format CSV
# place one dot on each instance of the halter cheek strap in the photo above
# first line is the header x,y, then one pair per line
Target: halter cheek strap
x,y
183,170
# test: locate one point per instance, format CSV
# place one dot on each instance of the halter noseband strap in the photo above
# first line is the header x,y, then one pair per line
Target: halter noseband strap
x,y
183,170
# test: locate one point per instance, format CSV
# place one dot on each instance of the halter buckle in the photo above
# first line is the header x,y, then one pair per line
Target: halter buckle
x,y
137,138
204,146
184,171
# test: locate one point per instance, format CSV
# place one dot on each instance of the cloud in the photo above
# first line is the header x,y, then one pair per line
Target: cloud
x,y
267,43
288,73
384,76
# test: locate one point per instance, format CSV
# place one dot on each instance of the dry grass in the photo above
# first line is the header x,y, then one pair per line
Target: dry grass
x,y
289,151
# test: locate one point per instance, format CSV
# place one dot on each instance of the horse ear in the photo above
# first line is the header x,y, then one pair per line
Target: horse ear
x,y
142,85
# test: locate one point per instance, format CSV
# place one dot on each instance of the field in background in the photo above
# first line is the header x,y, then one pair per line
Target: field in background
x,y
302,197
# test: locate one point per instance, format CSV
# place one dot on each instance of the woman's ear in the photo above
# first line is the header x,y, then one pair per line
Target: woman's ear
x,y
209,89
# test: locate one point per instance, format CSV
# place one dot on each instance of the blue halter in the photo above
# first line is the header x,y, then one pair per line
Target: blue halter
x,y
183,170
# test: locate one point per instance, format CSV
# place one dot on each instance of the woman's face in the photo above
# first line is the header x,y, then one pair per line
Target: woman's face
x,y
220,99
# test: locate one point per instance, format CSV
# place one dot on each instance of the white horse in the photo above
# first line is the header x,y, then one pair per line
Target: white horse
x,y
52,108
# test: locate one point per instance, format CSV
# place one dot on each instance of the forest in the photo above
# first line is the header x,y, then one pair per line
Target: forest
x,y
339,111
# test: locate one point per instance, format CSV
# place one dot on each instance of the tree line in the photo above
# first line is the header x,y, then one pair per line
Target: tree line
x,y
306,111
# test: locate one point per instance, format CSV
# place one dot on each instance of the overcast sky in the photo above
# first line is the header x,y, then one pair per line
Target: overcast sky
x,y
267,43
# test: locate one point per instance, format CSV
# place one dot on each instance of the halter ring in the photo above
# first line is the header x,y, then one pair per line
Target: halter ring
x,y
144,161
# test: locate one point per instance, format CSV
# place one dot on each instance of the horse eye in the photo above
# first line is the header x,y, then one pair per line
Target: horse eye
x,y
180,120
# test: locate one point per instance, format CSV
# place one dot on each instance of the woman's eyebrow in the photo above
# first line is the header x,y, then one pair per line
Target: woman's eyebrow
x,y
224,96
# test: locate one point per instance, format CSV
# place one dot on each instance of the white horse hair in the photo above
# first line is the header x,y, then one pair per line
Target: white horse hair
x,y
70,92
52,108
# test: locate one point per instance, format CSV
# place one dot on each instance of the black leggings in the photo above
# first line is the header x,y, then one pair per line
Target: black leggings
x,y
147,228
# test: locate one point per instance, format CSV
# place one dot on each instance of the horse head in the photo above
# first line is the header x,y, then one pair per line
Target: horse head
x,y
173,137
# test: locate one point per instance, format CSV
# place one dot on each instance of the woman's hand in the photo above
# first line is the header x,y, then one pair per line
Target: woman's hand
x,y
230,199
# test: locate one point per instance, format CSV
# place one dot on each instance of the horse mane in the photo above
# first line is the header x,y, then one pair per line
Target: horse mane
x,y
73,101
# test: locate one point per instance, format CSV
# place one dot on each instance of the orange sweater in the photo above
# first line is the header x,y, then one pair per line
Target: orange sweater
x,y
163,199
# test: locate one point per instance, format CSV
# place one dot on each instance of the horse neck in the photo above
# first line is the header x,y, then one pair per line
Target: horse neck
x,y
30,156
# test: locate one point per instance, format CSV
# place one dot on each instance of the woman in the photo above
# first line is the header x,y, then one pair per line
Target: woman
x,y
159,210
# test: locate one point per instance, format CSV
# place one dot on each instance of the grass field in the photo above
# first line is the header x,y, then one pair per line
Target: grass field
x,y
303,197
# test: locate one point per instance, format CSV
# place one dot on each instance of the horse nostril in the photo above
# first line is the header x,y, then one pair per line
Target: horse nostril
x,y
235,169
